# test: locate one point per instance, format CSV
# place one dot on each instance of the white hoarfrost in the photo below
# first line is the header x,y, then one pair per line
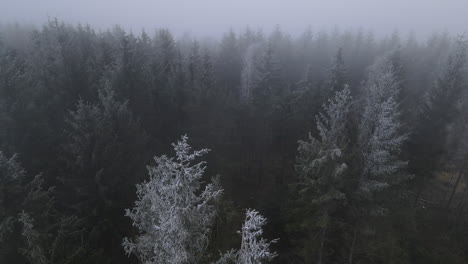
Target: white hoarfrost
x,y
320,161
380,136
172,213
254,248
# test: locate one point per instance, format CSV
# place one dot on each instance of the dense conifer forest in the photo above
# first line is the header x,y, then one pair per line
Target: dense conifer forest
x,y
256,147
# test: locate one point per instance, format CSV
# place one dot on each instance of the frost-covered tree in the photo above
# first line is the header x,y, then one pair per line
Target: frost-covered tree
x,y
173,213
321,164
380,140
380,132
254,248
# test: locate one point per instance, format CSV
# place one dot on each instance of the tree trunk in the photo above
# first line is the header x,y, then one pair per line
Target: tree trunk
x,y
351,252
322,243
460,207
460,174
418,193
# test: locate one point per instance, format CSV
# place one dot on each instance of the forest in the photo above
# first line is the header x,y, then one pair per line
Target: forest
x,y
332,146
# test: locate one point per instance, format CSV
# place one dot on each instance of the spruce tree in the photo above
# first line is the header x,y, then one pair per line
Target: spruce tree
x,y
337,78
322,167
380,132
382,172
254,248
102,158
427,142
173,212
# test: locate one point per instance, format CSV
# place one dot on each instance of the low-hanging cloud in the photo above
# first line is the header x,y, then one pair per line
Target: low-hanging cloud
x,y
212,17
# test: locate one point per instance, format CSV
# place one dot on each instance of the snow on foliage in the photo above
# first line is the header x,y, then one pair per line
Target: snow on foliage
x,y
172,214
380,135
11,173
33,251
254,249
320,160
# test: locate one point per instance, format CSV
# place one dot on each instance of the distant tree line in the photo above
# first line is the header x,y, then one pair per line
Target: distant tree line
x,y
355,148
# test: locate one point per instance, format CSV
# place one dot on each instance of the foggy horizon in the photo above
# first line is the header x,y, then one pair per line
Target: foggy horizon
x,y
209,18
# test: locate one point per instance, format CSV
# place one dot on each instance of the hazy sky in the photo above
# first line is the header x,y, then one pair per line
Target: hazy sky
x,y
212,17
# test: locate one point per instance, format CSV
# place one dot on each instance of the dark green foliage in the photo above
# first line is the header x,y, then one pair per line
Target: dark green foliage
x,y
103,155
87,109
438,111
337,79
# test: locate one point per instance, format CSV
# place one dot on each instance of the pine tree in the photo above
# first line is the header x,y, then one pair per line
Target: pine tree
x,y
30,226
11,178
379,146
380,132
194,67
17,193
457,144
102,157
427,143
229,65
166,57
207,82
48,236
173,214
320,160
321,165
19,117
337,75
130,75
254,248
267,85
249,73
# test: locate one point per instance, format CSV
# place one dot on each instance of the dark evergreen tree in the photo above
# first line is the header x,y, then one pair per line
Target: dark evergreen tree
x,y
337,77
322,169
248,97
427,144
103,156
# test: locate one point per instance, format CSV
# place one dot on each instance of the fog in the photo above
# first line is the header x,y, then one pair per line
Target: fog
x,y
212,17
345,143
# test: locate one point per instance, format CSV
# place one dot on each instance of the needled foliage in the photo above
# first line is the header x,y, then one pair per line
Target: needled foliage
x,y
86,109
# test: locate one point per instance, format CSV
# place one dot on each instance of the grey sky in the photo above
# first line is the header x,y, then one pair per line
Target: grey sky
x,y
212,17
